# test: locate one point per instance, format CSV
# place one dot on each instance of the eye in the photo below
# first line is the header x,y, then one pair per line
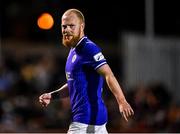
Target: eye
x,y
71,26
64,26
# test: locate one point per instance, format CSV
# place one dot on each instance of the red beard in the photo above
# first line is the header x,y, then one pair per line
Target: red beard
x,y
70,41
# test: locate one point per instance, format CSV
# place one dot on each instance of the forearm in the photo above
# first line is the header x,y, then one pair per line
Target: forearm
x,y
115,88
62,92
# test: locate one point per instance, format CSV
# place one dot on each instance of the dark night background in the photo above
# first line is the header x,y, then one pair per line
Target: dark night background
x,y
104,19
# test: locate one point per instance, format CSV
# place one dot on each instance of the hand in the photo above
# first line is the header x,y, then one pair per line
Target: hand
x,y
45,99
125,110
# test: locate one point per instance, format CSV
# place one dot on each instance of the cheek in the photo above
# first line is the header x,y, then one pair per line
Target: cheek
x,y
75,32
78,30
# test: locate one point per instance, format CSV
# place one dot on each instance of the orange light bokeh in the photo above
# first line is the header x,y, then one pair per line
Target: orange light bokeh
x,y
45,21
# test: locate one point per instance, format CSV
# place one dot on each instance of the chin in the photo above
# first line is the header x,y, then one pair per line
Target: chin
x,y
68,43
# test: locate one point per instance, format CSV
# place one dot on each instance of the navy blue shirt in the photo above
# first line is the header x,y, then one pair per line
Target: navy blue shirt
x,y
85,84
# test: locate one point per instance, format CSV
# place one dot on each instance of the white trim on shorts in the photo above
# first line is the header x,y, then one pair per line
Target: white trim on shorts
x,y
81,128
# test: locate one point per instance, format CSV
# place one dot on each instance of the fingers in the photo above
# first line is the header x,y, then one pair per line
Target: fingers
x,y
124,115
129,112
126,111
44,99
44,104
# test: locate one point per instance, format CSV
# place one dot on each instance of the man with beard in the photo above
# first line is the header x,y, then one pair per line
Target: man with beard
x,y
86,68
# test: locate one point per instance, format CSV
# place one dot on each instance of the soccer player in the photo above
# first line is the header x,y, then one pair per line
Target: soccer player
x,y
86,68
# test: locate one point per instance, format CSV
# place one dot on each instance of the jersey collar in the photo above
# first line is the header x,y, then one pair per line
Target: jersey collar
x,y
80,41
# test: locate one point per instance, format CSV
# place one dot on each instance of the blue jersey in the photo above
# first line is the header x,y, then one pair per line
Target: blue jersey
x,y
85,84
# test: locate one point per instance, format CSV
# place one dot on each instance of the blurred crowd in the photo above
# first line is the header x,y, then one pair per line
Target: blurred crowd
x,y
23,79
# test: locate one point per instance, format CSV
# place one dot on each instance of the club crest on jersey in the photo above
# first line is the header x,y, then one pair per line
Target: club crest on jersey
x,y
74,58
68,76
98,57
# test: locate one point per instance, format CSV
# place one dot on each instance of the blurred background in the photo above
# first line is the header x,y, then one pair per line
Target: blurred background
x,y
140,40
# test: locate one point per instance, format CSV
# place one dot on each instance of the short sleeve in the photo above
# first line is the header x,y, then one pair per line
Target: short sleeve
x,y
94,56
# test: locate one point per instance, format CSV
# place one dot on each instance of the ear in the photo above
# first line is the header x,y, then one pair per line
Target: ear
x,y
82,26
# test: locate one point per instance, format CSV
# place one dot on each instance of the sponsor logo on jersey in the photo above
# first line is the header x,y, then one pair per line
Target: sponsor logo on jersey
x,y
98,57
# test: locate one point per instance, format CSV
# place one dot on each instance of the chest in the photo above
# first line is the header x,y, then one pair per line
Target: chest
x,y
74,62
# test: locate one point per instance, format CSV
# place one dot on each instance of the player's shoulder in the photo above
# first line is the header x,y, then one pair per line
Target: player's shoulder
x,y
91,47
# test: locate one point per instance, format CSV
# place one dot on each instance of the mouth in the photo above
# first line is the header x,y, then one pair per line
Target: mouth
x,y
67,37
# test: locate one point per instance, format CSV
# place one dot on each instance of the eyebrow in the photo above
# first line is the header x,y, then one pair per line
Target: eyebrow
x,y
68,25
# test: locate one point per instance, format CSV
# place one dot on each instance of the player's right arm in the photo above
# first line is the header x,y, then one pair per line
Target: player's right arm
x,y
46,98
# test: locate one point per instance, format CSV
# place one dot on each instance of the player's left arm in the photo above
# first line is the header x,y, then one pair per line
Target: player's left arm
x,y
115,88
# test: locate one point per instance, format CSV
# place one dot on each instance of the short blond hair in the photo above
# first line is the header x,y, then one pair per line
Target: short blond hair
x,y
77,12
